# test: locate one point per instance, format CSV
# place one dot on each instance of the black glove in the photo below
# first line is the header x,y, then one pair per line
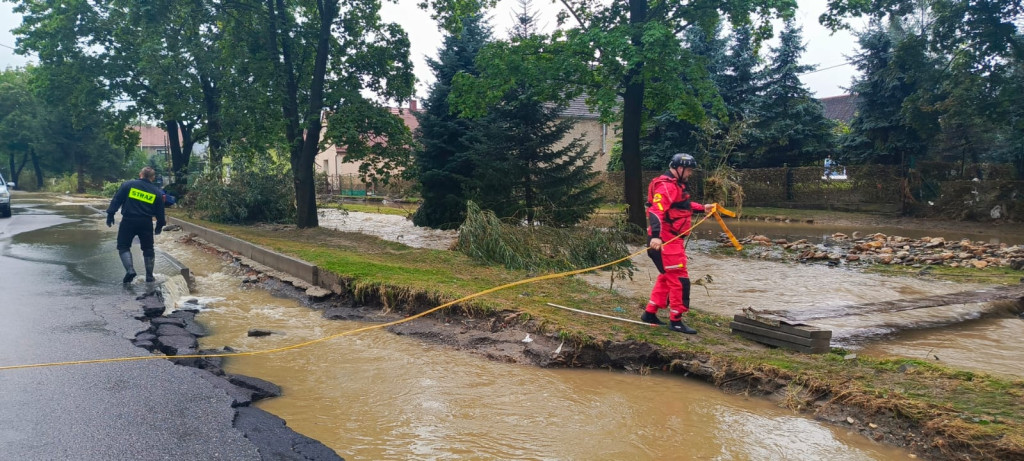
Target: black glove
x,y
158,230
110,219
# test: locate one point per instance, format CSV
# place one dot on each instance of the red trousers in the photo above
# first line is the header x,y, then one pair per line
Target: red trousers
x,y
673,284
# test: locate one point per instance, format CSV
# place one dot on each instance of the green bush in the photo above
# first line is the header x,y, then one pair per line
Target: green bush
x,y
259,192
64,184
110,188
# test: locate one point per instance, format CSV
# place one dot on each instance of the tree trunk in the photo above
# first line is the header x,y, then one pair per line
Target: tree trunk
x,y
214,130
80,166
302,167
171,127
16,169
632,115
38,169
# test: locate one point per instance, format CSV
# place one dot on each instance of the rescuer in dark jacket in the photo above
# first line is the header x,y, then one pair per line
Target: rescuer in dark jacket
x,y
139,201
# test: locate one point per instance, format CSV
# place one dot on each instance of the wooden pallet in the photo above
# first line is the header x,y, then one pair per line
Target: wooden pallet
x,y
800,338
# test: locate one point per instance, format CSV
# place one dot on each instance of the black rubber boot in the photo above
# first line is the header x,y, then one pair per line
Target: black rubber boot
x,y
681,327
129,267
150,262
651,318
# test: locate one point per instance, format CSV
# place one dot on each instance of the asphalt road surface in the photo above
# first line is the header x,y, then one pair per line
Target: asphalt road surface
x,y
61,299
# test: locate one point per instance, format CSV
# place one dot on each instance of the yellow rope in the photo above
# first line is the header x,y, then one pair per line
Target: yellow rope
x,y
714,211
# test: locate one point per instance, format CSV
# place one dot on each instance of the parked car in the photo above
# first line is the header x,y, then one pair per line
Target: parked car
x,y
5,198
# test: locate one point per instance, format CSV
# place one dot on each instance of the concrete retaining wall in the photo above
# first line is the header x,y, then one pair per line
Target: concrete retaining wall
x,y
287,264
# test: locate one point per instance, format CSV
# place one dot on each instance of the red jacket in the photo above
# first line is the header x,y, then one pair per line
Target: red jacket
x,y
669,208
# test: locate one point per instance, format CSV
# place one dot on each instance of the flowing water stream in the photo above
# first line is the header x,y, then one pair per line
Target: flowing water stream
x,y
376,395
980,344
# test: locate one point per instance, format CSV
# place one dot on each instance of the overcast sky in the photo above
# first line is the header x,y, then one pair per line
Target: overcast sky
x,y
826,51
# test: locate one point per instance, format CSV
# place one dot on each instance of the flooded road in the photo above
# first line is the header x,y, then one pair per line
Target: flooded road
x,y
381,396
62,300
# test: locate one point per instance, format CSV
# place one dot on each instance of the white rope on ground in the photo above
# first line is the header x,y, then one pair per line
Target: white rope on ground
x,y
602,315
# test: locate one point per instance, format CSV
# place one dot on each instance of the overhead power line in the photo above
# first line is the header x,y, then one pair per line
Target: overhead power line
x,y
826,68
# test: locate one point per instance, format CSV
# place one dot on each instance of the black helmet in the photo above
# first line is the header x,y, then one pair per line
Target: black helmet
x,y
682,160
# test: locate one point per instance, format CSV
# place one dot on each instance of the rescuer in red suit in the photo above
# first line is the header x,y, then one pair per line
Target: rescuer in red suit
x,y
669,214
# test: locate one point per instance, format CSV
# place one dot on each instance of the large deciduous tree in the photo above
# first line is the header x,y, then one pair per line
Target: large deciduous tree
x,y
87,128
315,59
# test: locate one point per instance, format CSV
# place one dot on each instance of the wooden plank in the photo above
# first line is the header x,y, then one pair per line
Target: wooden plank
x,y
806,332
776,334
784,344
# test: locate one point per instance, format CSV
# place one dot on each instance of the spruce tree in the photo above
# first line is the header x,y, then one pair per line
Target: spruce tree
x,y
521,172
880,133
792,128
444,163
739,82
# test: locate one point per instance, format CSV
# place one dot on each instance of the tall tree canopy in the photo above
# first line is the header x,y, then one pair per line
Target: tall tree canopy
x,y
942,80
325,60
791,127
629,59
445,162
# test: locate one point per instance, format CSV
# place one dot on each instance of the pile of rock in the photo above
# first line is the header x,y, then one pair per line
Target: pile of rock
x,y
885,249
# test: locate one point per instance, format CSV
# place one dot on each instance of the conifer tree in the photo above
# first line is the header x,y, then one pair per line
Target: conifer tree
x,y
520,170
667,133
880,132
792,128
445,163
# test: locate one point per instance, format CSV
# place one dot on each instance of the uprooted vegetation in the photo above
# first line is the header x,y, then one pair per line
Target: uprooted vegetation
x,y
931,409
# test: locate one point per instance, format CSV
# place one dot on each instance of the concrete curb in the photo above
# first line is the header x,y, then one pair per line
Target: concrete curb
x,y
298,268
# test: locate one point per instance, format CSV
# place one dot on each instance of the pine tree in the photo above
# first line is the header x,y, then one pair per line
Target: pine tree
x,y
880,133
445,164
739,82
792,128
520,173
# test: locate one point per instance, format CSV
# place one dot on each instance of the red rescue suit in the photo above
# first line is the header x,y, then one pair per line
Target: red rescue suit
x,y
669,214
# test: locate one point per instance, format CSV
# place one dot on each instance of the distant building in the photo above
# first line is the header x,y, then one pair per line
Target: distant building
x,y
153,140
589,126
344,175
841,108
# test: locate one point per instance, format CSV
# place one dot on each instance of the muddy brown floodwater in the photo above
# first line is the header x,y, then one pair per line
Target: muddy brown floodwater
x,y
376,395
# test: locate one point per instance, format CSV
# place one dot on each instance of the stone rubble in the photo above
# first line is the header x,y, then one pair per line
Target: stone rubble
x,y
879,248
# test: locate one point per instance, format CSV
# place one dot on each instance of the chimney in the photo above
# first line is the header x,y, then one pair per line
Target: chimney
x,y
412,105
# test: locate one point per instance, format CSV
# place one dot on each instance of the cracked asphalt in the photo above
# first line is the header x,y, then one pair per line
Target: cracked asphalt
x,y
61,300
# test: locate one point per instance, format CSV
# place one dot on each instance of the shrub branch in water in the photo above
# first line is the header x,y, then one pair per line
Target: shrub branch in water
x,y
487,239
